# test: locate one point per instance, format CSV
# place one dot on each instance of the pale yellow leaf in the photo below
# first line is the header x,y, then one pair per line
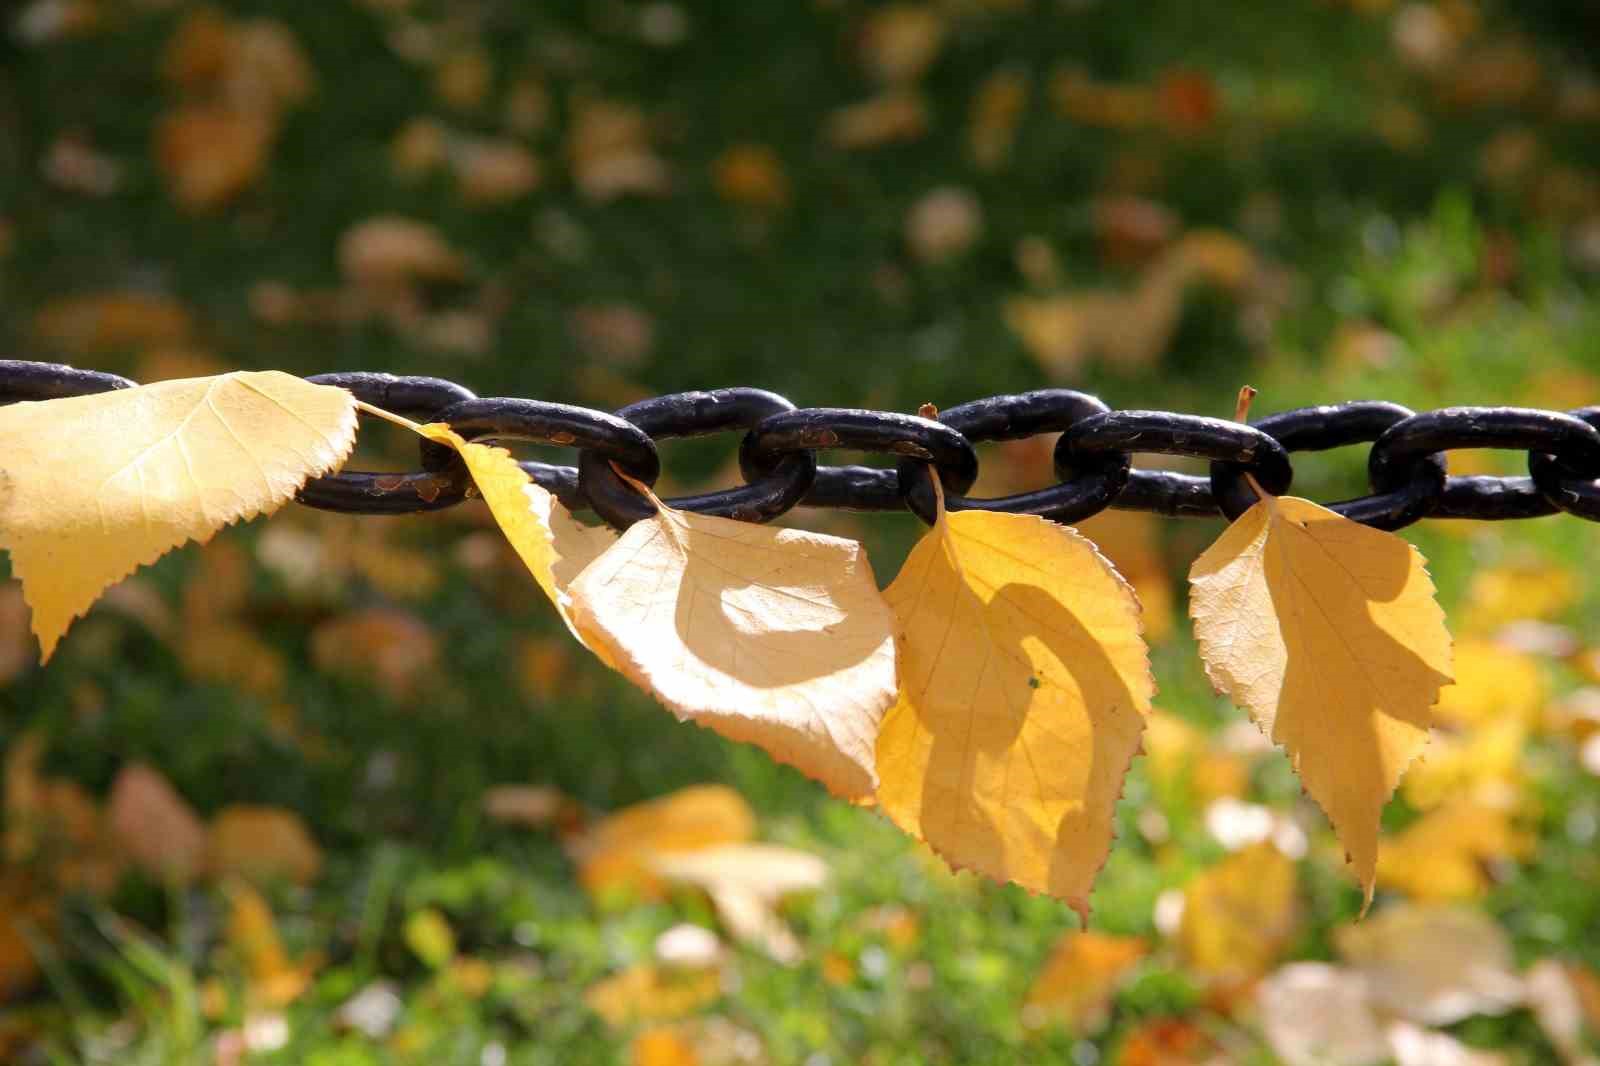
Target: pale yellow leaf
x,y
554,546
745,883
1327,632
1433,964
1314,1014
775,637
94,487
1024,688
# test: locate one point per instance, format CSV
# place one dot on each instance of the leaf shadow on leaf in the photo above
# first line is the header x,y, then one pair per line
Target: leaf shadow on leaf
x,y
763,657
1384,575
1016,612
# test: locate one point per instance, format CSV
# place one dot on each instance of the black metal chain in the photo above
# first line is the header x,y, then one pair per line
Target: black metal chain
x,y
1406,465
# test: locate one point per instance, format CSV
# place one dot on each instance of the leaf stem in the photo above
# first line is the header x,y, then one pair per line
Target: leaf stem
x,y
388,416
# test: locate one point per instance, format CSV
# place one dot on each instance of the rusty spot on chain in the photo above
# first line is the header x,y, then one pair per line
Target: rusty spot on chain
x,y
905,447
562,437
389,482
819,438
428,490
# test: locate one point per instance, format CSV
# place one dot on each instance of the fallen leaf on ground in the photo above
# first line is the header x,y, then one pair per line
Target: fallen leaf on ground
x,y
209,153
1443,856
895,116
618,850
1024,687
1434,964
533,806
252,935
53,828
751,175
1239,916
1186,768
1485,766
1327,632
1413,1045
262,843
1493,683
154,827
1314,1014
997,108
900,41
24,915
393,649
1079,980
97,486
650,993
110,322
745,883
774,637
1170,1042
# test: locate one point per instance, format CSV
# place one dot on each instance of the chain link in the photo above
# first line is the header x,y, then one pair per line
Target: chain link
x,y
1407,465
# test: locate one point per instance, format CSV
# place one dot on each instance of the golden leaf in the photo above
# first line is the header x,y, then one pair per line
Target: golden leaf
x,y
153,826
1493,683
618,850
1024,687
662,1046
647,993
253,937
1441,857
751,175
261,843
96,486
775,637
24,915
1077,984
554,546
1328,634
1239,915
1484,765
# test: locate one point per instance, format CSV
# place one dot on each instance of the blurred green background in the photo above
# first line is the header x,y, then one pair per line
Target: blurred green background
x,y
850,204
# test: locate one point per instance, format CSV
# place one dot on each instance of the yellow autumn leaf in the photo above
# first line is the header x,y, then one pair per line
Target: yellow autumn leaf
x,y
1327,632
1443,856
96,486
1484,765
262,844
650,993
1239,916
774,637
252,934
617,852
1493,683
554,546
1024,688
1077,984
